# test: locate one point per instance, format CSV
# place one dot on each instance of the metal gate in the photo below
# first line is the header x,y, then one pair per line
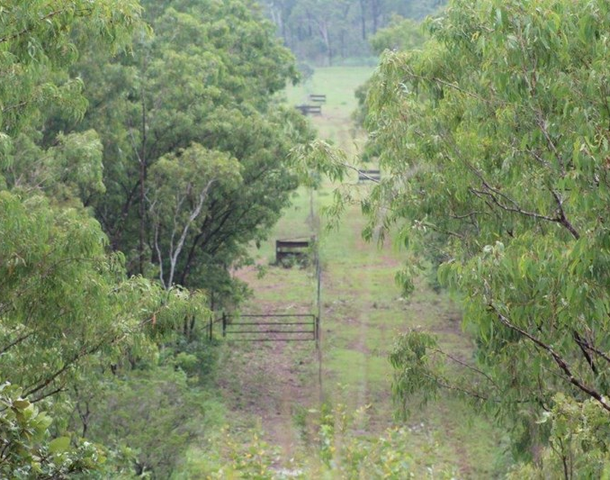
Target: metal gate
x,y
273,327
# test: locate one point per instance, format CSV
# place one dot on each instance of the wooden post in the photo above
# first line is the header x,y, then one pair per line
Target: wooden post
x,y
319,284
224,324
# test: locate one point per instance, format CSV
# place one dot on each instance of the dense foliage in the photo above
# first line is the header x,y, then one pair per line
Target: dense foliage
x,y
494,140
173,140
193,140
25,449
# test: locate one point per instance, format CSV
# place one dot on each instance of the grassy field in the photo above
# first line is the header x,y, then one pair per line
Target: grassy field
x,y
278,389
339,85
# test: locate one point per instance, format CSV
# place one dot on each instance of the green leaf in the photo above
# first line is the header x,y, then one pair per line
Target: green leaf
x,y
21,404
59,445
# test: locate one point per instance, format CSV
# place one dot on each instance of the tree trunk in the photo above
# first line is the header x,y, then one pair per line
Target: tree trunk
x,y
142,191
376,11
363,18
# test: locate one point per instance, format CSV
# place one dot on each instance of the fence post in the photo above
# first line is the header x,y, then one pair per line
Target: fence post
x,y
211,326
224,324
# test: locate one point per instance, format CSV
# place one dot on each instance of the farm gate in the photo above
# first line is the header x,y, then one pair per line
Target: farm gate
x,y
287,327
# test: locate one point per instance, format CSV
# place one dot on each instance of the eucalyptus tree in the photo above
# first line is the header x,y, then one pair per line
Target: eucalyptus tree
x,y
194,123
187,179
68,311
494,138
38,45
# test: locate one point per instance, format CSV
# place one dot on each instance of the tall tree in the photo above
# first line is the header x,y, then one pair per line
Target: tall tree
x,y
203,85
38,267
493,138
37,39
66,307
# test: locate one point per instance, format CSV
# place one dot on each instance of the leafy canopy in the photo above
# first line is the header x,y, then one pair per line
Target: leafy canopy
x,y
202,87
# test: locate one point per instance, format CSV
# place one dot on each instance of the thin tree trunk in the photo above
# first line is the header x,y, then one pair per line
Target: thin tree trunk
x,y
142,188
363,18
376,11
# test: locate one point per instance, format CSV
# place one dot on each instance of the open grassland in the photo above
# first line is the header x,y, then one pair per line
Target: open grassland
x,y
339,85
280,388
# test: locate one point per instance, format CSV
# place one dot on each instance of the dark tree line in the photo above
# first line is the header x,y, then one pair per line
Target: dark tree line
x,y
327,31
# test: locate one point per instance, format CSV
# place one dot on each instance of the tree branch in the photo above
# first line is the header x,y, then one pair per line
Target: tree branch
x,y
561,363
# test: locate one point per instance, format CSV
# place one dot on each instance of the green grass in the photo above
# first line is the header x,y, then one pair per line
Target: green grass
x,y
364,311
339,85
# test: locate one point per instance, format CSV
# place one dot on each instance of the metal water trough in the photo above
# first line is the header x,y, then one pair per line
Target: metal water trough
x,y
317,98
309,109
298,248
